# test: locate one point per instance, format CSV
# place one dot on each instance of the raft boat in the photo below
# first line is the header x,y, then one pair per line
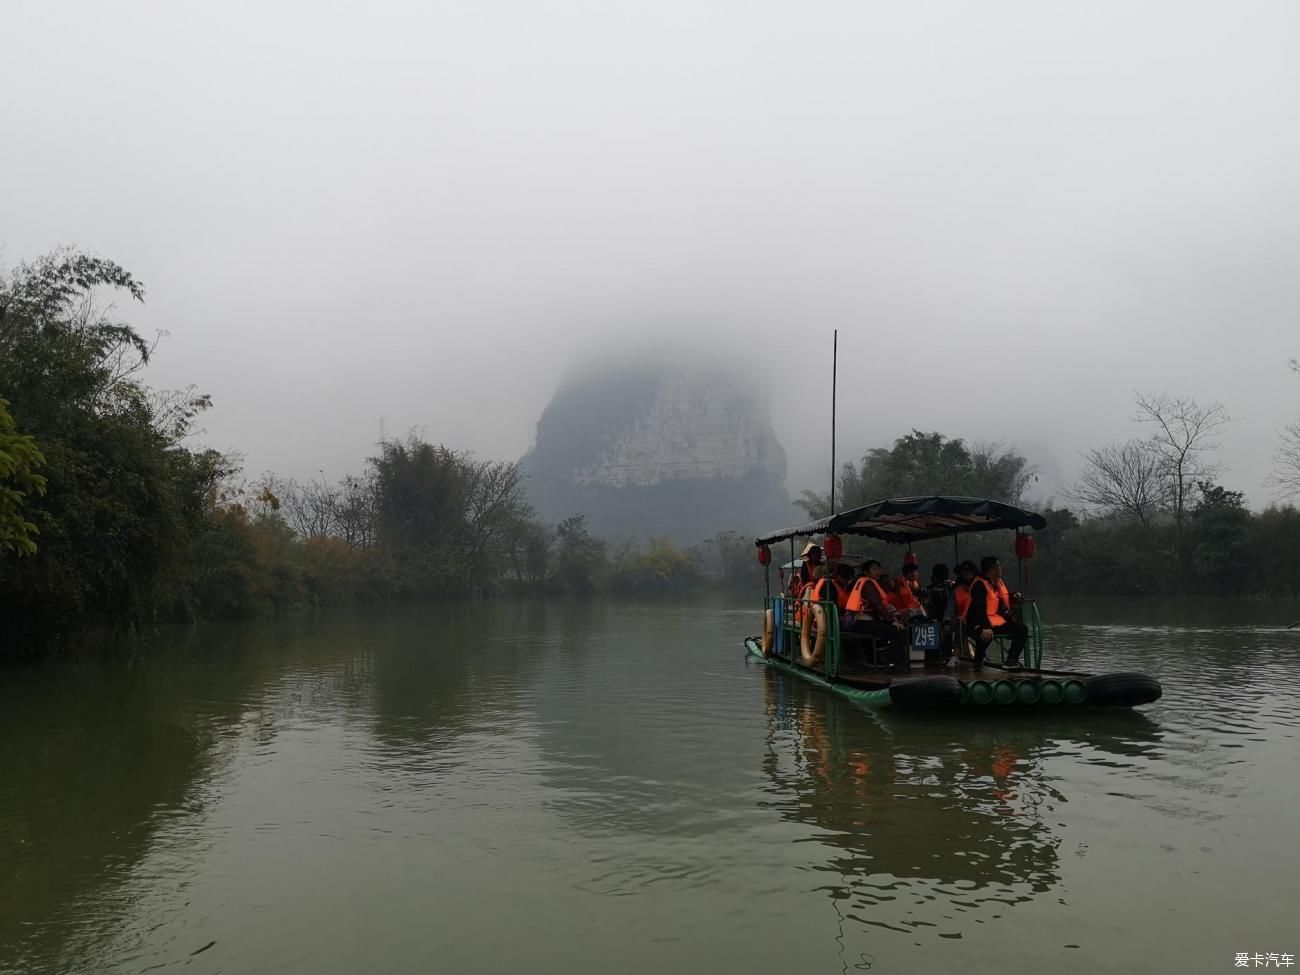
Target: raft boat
x,y
931,680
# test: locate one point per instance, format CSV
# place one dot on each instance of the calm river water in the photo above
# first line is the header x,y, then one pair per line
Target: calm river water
x,y
611,787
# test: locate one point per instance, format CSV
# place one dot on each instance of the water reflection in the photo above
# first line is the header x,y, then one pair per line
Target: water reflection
x,y
616,773
930,824
98,756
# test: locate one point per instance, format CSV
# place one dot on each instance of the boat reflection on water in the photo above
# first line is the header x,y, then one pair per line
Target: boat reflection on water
x,y
932,825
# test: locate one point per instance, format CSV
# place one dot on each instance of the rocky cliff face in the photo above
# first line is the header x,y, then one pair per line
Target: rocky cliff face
x,y
659,451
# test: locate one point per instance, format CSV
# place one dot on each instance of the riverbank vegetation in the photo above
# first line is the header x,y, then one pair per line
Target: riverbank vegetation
x,y
110,517
1145,517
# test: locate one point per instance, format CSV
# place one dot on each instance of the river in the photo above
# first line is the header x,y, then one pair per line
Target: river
x,y
611,786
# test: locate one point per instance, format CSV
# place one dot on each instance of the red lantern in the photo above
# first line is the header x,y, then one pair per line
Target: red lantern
x,y
764,555
910,560
834,547
1024,547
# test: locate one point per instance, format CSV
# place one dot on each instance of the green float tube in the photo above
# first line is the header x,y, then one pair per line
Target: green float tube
x,y
1051,692
1027,692
1076,692
1004,692
981,692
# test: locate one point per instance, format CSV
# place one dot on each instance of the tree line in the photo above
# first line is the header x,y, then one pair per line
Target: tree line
x,y
109,518
1145,517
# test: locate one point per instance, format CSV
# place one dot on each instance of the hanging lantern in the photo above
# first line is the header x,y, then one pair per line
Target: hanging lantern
x,y
910,560
764,555
1024,547
834,547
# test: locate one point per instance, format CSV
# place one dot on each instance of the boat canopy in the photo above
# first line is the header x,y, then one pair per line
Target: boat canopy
x,y
902,520
854,560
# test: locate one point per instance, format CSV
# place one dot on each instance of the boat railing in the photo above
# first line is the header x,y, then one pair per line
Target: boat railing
x,y
788,631
1034,649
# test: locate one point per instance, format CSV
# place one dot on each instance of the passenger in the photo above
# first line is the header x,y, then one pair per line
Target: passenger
x,y
844,576
871,614
802,591
989,615
966,573
937,597
903,594
811,557
941,604
912,576
832,587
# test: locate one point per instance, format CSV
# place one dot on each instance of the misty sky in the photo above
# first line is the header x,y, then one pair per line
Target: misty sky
x,y
423,213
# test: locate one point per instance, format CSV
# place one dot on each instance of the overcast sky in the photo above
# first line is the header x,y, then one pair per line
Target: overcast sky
x,y
420,213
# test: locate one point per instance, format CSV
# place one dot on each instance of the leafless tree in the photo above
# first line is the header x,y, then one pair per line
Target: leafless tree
x,y
1126,479
1184,431
354,511
174,411
496,506
308,508
1286,461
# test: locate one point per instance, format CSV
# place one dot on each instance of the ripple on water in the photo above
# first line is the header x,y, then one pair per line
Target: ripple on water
x,y
614,774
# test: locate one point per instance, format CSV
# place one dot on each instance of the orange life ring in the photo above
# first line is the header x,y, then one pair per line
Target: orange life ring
x,y
814,657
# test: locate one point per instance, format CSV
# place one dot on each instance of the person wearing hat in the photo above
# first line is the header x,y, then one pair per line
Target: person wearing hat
x,y
811,557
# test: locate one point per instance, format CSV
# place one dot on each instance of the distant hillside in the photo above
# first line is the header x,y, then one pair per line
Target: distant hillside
x,y
658,451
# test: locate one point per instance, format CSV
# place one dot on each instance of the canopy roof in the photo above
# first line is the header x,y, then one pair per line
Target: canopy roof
x,y
916,519
846,559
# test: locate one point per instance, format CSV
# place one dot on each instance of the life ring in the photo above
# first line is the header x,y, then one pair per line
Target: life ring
x,y
814,657
769,632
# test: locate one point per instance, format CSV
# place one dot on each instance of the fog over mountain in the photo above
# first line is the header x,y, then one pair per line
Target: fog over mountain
x,y
364,218
659,449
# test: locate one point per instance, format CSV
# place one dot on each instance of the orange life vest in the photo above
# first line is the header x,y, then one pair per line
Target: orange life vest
x,y
997,601
904,598
961,594
857,602
817,593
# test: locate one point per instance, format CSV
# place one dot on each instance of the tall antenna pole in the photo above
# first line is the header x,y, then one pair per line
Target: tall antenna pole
x,y
835,355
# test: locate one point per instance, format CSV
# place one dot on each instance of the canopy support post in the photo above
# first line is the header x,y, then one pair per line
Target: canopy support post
x,y
835,353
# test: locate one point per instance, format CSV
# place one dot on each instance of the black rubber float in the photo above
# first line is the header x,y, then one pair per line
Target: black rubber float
x,y
1123,690
925,692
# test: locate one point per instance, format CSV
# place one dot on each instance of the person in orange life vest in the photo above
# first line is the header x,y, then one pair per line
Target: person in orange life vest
x,y
836,587
803,577
989,615
966,573
869,612
912,576
904,596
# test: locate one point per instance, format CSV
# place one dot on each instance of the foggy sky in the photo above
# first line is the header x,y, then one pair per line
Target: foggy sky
x,y
419,214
